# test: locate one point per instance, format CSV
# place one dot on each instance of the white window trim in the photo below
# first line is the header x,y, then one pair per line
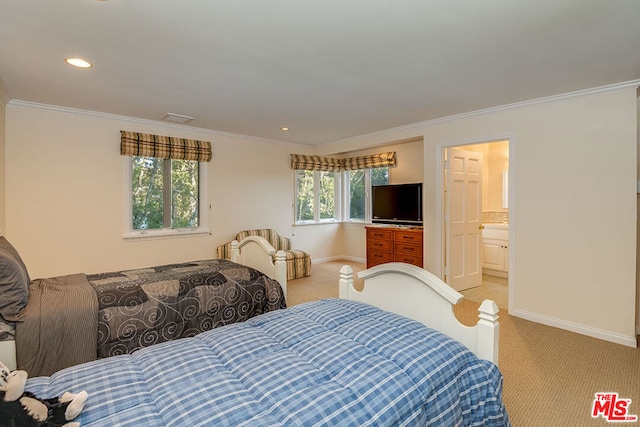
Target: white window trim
x,y
367,199
337,212
166,233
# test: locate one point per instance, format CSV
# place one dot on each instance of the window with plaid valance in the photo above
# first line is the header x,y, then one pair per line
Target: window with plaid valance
x,y
318,163
163,147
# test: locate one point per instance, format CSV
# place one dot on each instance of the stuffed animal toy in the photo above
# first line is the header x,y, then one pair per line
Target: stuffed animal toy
x,y
20,408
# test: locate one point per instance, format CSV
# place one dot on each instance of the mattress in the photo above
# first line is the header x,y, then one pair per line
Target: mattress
x,y
329,362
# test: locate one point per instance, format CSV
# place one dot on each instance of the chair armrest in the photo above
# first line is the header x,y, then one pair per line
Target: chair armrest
x,y
284,243
224,251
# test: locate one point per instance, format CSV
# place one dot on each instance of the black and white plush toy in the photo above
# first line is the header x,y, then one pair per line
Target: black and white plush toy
x,y
20,408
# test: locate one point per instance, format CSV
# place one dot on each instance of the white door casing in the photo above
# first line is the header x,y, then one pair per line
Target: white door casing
x,y
464,219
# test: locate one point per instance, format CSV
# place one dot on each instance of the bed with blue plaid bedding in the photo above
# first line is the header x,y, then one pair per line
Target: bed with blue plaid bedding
x,y
330,362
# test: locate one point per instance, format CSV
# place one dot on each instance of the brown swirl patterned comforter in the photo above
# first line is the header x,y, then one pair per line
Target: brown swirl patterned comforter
x,y
138,308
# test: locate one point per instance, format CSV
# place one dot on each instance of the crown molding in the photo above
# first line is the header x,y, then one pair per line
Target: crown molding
x,y
98,114
544,100
4,97
554,98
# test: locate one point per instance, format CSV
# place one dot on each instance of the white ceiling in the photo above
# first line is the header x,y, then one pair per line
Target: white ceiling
x,y
328,69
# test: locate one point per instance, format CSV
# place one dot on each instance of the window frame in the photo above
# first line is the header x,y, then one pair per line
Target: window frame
x,y
337,177
367,197
164,233
346,191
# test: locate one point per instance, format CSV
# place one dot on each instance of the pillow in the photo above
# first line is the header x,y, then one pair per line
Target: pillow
x,y
14,282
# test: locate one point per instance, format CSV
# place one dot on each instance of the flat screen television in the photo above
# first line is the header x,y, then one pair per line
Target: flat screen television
x,y
399,204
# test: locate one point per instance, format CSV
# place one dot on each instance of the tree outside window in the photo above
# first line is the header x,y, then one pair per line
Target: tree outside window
x,y
315,195
165,193
305,195
327,195
359,189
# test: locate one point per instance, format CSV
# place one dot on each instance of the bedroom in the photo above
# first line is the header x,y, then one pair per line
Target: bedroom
x,y
551,214
574,213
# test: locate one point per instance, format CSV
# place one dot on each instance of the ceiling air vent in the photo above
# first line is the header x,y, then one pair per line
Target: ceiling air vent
x,y
176,118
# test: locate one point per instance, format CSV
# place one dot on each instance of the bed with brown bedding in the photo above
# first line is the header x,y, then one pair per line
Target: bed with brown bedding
x,y
77,318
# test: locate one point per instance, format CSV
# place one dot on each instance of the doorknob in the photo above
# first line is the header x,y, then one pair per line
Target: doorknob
x,y
481,227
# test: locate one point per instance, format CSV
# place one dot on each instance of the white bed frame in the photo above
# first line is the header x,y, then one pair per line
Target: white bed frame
x,y
420,295
253,251
256,252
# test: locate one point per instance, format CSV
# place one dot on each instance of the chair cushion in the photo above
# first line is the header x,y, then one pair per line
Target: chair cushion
x,y
296,254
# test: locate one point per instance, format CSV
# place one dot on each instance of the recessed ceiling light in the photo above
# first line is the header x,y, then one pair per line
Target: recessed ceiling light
x,y
78,62
284,129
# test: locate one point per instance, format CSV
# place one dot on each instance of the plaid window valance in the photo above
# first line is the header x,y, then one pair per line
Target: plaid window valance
x,y
315,163
164,147
380,160
318,163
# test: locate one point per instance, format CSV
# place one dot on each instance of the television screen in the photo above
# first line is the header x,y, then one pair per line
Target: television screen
x,y
397,204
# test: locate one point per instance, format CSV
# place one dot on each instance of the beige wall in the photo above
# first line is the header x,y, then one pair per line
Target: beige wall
x,y
573,209
498,161
65,191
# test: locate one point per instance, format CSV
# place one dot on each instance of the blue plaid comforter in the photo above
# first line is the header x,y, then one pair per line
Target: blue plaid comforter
x,y
330,362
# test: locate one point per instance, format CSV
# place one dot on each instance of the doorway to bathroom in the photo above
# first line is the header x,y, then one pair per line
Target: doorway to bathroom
x,y
475,200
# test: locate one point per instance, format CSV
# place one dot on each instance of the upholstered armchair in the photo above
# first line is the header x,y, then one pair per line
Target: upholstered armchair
x,y
298,262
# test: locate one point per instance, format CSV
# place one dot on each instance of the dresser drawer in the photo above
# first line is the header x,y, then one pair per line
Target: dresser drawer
x,y
379,234
408,236
407,248
375,257
381,245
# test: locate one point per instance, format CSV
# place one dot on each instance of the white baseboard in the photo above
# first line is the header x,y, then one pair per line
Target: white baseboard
x,y
338,258
629,341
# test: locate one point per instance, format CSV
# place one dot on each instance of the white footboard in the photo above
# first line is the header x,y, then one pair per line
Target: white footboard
x,y
420,295
256,252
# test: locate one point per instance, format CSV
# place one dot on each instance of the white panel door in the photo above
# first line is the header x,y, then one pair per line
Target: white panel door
x,y
464,211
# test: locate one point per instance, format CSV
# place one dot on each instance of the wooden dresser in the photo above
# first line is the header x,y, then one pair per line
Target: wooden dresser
x,y
394,244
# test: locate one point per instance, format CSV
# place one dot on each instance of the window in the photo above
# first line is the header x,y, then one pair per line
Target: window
x,y
316,196
359,182
324,185
165,195
166,190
